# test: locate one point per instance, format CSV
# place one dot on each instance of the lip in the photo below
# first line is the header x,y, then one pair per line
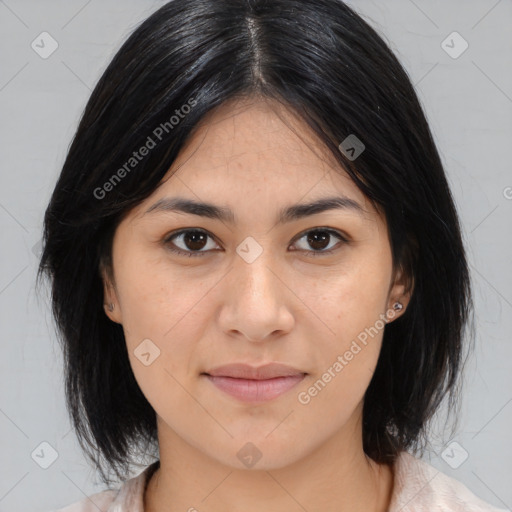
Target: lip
x,y
255,384
246,371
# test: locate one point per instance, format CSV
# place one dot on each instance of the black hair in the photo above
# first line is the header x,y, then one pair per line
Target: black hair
x,y
322,61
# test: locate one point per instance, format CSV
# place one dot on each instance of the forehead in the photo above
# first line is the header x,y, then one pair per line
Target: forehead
x,y
261,133
258,152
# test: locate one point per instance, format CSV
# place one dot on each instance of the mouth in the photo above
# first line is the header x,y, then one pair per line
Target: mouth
x,y
255,384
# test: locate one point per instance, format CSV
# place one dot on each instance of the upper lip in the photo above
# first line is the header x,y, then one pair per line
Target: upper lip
x,y
245,371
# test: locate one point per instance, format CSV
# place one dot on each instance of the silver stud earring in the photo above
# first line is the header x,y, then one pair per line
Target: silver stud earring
x,y
397,306
110,306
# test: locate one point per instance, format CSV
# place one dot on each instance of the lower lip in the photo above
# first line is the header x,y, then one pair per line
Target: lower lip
x,y
249,390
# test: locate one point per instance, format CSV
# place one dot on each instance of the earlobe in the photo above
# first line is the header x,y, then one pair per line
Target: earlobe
x,y
398,306
110,299
400,294
110,308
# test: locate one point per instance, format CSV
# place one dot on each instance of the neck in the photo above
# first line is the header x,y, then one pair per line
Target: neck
x,y
336,477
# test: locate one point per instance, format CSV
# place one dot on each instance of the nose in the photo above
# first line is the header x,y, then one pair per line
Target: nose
x,y
258,303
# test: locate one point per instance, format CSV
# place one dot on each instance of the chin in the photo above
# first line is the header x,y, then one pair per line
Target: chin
x,y
260,453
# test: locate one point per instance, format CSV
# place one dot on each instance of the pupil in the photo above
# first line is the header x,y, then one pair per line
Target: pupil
x,y
191,240
314,238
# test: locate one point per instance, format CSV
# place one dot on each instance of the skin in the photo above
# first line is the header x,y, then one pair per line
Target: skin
x,y
286,306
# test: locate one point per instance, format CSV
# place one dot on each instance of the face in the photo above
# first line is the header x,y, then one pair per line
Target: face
x,y
309,290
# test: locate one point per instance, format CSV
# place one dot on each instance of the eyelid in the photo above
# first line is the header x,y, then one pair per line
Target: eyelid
x,y
326,229
344,239
167,240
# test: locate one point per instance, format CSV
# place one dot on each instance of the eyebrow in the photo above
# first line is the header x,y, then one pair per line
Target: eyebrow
x,y
224,214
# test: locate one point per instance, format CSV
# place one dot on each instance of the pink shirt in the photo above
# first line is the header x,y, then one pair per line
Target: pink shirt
x,y
419,487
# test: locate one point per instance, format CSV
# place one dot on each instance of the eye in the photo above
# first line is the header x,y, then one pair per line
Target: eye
x,y
194,242
193,239
319,239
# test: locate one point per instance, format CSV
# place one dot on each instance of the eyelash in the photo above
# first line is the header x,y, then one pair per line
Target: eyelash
x,y
172,247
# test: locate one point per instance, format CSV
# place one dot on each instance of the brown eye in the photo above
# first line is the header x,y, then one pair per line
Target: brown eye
x,y
192,242
320,240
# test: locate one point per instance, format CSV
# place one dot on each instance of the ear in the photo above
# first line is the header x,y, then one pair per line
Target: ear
x,y
110,296
400,291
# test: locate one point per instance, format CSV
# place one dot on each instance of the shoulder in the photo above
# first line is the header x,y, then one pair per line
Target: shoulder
x,y
419,487
129,496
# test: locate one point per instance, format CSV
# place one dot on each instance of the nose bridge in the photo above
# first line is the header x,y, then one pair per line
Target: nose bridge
x,y
254,270
255,300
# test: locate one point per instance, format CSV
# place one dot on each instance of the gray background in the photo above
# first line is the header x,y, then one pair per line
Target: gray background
x,y
468,101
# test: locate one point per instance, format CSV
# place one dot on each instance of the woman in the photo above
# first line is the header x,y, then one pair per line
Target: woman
x,y
257,268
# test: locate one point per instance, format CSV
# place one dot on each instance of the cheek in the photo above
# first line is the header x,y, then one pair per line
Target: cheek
x,y
163,311
155,296
343,375
353,306
352,353
160,322
352,301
